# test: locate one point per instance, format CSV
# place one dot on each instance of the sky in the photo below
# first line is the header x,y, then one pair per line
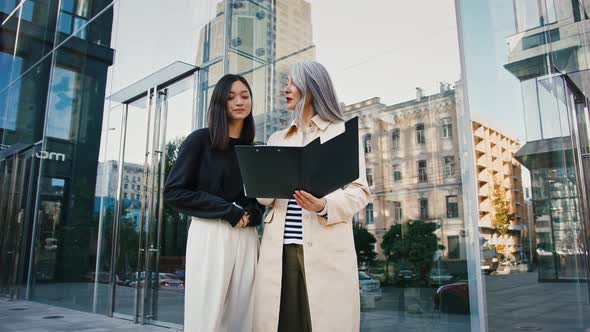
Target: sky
x,y
386,48
374,48
494,93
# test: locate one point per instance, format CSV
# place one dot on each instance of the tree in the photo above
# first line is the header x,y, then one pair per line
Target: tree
x,y
501,217
413,242
364,244
175,224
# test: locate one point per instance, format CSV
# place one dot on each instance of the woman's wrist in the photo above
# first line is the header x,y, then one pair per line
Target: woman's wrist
x,y
324,211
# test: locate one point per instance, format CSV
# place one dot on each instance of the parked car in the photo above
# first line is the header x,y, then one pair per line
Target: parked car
x,y
406,275
489,260
440,277
369,285
452,298
166,281
170,281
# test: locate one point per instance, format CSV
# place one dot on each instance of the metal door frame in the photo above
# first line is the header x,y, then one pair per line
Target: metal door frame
x,y
578,97
21,157
155,88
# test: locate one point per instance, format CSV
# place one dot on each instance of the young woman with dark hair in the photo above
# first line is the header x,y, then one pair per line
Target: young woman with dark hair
x,y
222,245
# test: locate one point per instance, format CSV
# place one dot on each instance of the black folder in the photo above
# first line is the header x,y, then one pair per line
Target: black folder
x,y
318,168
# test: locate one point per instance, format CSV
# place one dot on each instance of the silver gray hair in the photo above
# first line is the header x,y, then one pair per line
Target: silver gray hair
x,y
312,77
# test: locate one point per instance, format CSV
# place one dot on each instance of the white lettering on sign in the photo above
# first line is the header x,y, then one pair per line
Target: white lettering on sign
x,y
51,156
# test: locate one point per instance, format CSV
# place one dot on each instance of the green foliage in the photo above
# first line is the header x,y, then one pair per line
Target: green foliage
x,y
364,243
501,206
412,242
175,225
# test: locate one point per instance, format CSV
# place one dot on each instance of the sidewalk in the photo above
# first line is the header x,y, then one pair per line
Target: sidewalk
x,y
26,316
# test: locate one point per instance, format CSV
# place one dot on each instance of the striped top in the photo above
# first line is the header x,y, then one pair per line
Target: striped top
x,y
293,224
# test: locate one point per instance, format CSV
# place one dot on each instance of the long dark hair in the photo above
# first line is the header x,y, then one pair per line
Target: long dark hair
x,y
217,119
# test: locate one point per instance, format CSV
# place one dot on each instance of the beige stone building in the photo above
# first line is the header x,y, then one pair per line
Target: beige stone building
x,y
411,152
495,164
412,157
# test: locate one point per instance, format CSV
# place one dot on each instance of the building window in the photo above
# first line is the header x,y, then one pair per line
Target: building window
x,y
367,142
449,166
370,176
453,247
74,15
420,138
132,186
422,175
137,197
397,212
125,186
395,138
125,195
528,14
423,203
539,39
447,128
397,173
452,207
369,214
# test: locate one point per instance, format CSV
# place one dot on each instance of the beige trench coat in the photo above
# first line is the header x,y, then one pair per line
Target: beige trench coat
x,y
328,247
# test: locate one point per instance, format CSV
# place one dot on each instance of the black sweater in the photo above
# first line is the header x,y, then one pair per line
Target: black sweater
x,y
205,182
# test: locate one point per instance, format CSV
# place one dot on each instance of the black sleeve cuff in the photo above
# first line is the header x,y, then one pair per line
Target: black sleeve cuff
x,y
235,215
255,214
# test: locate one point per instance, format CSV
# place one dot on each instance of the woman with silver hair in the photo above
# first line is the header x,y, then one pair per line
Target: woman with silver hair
x,y
307,277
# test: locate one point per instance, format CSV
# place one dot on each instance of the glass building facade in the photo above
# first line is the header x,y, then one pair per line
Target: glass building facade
x,y
474,121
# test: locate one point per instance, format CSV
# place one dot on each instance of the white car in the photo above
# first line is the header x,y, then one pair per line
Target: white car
x,y
166,281
369,285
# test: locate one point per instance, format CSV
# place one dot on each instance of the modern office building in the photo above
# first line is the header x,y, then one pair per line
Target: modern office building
x,y
51,111
548,55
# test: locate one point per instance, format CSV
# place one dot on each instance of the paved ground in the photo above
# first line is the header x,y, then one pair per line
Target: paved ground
x,y
25,316
519,300
515,302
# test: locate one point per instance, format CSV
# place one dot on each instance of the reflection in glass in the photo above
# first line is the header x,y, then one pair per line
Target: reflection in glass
x,y
551,234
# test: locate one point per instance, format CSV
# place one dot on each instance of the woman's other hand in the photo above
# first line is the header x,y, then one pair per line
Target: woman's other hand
x,y
244,221
309,202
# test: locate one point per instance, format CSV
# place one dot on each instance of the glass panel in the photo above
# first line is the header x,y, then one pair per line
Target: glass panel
x,y
169,303
36,33
257,73
133,219
8,6
25,106
74,15
520,98
528,14
7,243
250,28
105,207
65,271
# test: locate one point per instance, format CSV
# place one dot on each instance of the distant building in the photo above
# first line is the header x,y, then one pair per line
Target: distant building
x,y
411,151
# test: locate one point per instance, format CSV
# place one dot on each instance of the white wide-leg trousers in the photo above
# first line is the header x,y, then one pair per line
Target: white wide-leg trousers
x,y
219,277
